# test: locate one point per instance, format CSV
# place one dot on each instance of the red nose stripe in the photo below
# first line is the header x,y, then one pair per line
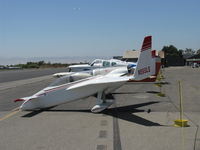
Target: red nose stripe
x,y
18,100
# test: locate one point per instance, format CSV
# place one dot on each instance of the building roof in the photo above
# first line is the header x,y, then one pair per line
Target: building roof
x,y
131,54
161,54
134,54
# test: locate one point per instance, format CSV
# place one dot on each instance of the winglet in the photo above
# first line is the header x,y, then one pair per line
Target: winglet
x,y
146,43
145,65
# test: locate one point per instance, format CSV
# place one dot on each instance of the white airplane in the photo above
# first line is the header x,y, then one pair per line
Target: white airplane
x,y
103,71
68,89
96,64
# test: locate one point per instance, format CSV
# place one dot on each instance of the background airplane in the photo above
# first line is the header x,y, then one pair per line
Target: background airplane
x,y
96,64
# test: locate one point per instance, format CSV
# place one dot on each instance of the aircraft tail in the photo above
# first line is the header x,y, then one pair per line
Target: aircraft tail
x,y
145,64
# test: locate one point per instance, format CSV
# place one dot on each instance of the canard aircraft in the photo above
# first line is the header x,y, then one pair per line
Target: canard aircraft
x,y
70,88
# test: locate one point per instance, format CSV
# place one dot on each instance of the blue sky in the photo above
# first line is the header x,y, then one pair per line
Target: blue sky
x,y
32,28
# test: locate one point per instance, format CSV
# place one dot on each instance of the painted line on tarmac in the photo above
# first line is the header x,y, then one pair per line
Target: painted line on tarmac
x,y
116,133
10,114
116,136
15,109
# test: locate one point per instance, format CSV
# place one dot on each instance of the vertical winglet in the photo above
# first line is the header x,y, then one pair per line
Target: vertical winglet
x,y
146,43
145,67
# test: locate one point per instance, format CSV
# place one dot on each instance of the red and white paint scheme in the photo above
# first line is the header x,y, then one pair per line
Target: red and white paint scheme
x,y
148,66
71,88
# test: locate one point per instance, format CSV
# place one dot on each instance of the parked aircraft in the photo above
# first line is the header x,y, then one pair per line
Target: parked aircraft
x,y
96,64
68,89
103,71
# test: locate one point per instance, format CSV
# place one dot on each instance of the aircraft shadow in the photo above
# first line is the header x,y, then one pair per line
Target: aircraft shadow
x,y
115,93
33,113
151,92
127,113
123,112
163,83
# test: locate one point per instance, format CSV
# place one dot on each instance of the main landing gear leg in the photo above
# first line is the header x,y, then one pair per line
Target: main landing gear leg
x,y
101,103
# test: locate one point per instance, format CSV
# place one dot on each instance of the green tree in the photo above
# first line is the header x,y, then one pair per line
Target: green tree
x,y
180,51
40,63
31,65
172,51
188,52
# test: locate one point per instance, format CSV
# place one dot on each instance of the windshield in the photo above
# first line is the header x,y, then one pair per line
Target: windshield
x,y
71,78
106,63
96,61
113,64
62,80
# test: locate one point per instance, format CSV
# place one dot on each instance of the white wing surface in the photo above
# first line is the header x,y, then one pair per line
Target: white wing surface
x,y
101,80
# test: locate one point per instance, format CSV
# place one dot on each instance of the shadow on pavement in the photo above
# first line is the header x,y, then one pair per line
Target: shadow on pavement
x,y
33,113
123,112
127,113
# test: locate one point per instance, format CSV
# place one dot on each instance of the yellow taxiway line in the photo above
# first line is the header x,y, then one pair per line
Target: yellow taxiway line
x,y
14,111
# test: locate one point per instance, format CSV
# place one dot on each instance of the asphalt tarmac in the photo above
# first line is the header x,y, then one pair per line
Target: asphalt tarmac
x,y
21,74
138,120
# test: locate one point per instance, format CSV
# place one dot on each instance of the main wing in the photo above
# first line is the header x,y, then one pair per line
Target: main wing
x,y
105,81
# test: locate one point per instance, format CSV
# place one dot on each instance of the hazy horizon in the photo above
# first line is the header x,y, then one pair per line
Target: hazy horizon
x,y
64,59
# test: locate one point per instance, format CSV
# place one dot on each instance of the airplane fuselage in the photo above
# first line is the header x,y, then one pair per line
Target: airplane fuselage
x,y
52,96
